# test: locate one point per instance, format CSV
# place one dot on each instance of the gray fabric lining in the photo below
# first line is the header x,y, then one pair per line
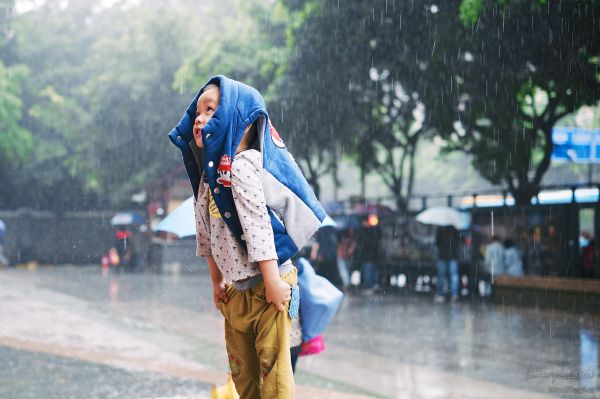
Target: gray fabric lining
x,y
198,156
253,281
299,220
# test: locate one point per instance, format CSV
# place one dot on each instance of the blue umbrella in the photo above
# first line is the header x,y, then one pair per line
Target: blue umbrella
x,y
125,218
181,221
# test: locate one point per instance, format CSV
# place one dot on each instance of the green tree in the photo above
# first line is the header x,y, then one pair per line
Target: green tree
x,y
98,99
129,94
516,68
314,102
6,13
493,76
248,44
256,44
344,78
15,141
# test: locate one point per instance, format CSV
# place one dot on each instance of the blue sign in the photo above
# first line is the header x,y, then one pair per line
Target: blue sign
x,y
575,144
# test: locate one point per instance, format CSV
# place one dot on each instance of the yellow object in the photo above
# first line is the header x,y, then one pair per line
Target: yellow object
x,y
258,343
33,266
212,206
226,391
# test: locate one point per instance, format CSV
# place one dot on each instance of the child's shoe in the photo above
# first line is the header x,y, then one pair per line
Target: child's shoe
x,y
226,391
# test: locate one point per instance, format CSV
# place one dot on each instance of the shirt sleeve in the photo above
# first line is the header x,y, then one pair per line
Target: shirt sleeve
x,y
250,204
202,223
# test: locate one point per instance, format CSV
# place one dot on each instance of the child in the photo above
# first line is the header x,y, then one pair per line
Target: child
x,y
254,210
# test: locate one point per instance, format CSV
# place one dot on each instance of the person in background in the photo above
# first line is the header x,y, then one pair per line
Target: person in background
x,y
494,257
367,255
588,257
324,254
3,260
345,252
447,241
513,260
493,265
139,247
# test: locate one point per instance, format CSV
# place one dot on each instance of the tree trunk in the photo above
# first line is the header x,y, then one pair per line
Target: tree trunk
x,y
401,201
363,178
411,172
314,183
523,192
526,189
334,173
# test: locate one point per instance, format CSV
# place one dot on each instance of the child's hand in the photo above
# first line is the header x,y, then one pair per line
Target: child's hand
x,y
219,294
278,292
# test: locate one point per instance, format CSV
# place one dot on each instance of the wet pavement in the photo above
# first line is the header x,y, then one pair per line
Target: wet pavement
x,y
72,332
28,374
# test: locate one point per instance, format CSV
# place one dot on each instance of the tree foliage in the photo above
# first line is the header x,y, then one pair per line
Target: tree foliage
x,y
518,67
344,78
98,101
89,90
15,141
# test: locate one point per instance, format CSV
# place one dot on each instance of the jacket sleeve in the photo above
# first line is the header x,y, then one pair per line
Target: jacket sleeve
x,y
250,204
202,222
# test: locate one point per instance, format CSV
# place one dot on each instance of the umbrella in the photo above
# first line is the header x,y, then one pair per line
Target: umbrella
x,y
443,216
371,209
181,221
124,218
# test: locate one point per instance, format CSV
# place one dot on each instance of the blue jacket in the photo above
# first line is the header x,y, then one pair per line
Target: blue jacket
x,y
294,210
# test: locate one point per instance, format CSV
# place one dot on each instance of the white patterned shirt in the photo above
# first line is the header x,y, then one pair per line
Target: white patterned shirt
x,y
213,237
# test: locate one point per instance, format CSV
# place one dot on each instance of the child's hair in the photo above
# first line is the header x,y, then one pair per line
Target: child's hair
x,y
209,86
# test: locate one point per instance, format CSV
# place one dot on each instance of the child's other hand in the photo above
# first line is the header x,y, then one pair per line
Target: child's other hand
x,y
278,292
219,294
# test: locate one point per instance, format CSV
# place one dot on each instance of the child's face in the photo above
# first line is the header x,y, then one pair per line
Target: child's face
x,y
207,105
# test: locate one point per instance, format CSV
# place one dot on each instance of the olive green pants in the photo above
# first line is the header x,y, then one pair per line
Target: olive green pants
x,y
257,336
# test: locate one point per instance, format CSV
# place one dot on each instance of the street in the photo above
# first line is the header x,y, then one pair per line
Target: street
x,y
74,332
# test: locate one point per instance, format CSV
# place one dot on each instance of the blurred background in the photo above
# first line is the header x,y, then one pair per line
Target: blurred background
x,y
484,113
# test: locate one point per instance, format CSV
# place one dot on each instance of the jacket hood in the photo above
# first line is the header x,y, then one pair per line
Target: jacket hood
x,y
293,208
239,106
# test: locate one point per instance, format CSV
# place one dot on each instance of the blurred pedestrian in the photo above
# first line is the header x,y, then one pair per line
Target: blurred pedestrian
x,y
324,254
345,252
513,259
367,255
139,248
3,259
494,257
588,256
447,241
493,265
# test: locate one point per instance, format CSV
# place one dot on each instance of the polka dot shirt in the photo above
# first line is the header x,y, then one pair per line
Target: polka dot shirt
x,y
213,237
